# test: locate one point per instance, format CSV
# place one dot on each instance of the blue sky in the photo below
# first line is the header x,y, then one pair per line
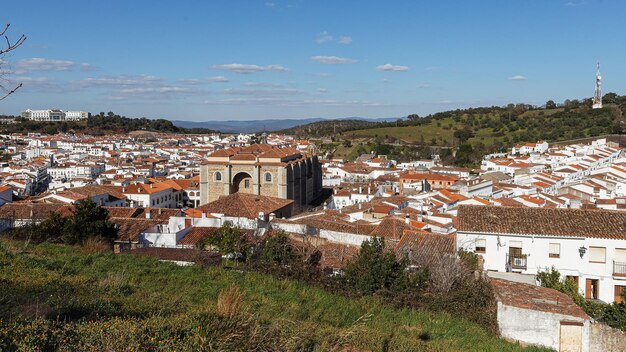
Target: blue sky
x,y
242,60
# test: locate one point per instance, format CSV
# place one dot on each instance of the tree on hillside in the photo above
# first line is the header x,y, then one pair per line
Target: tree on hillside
x,y
413,117
7,87
229,240
375,268
550,104
88,220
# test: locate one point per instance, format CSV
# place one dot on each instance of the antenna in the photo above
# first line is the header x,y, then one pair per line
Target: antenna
x,y
597,95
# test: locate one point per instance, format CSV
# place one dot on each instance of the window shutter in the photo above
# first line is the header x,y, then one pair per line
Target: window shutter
x,y
597,254
620,255
555,248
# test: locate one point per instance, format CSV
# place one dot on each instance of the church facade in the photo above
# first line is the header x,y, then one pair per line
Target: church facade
x,y
261,169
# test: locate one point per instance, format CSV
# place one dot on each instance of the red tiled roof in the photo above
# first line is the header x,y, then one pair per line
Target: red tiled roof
x,y
245,205
543,221
537,298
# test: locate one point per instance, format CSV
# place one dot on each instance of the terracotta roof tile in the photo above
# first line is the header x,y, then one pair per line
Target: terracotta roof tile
x,y
543,222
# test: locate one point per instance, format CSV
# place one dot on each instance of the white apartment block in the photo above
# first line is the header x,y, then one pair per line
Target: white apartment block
x,y
54,115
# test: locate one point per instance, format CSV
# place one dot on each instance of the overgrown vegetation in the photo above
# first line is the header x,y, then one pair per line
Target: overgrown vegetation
x,y
88,221
56,297
613,314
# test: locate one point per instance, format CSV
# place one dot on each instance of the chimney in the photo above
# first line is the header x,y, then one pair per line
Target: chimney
x,y
152,185
203,215
360,189
407,218
148,214
272,216
123,189
335,190
360,204
138,189
420,217
369,189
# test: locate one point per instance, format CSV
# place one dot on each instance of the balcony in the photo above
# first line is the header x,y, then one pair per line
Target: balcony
x,y
516,262
619,269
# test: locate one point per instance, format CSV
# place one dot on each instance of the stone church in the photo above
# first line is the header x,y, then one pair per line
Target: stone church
x,y
261,169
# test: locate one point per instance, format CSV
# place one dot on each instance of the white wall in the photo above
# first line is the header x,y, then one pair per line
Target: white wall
x,y
537,249
536,327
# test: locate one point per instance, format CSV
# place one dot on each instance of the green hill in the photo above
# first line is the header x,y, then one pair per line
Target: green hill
x,y
58,297
100,124
474,132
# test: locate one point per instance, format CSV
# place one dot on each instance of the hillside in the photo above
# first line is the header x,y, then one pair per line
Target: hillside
x,y
477,131
59,298
101,124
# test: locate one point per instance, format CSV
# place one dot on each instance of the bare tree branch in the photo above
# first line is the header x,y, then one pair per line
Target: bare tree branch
x,y
3,51
11,92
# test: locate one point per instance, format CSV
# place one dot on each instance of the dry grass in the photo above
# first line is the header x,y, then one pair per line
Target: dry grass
x,y
230,301
96,245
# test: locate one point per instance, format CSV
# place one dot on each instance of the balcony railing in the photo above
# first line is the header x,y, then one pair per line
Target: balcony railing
x,y
516,262
619,269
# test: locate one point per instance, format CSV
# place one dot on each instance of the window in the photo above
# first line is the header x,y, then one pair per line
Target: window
x,y
555,250
268,177
618,293
597,254
218,176
481,245
246,183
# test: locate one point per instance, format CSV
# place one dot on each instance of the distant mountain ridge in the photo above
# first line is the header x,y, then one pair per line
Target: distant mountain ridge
x,y
252,126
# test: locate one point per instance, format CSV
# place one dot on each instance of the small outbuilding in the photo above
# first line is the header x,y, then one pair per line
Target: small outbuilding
x,y
534,315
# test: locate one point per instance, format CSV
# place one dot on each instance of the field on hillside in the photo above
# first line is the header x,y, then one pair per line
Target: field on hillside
x,y
442,132
59,298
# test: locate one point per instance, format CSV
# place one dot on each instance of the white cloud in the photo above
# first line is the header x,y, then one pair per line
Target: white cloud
x,y
246,68
218,79
263,91
518,78
85,67
323,38
142,87
264,84
270,4
390,67
332,60
194,81
41,64
575,3
423,85
345,40
322,90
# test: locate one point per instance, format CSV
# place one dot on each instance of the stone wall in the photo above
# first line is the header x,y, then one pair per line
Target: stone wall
x,y
605,338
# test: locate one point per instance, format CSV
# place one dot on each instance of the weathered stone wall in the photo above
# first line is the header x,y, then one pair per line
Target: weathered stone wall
x,y
604,338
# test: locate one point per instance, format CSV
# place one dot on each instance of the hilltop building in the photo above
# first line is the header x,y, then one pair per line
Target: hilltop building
x,y
261,169
54,115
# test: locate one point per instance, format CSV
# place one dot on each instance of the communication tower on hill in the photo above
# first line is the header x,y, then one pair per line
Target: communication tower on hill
x,y
597,96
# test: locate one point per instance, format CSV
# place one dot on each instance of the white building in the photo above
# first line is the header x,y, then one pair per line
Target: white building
x,y
587,246
54,115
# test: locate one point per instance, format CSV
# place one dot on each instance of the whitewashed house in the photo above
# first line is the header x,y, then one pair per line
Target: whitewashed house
x,y
587,245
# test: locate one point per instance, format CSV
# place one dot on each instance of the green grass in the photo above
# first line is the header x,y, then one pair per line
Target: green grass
x,y
106,300
412,134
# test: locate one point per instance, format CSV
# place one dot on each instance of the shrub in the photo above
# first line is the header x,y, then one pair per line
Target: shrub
x,y
374,269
